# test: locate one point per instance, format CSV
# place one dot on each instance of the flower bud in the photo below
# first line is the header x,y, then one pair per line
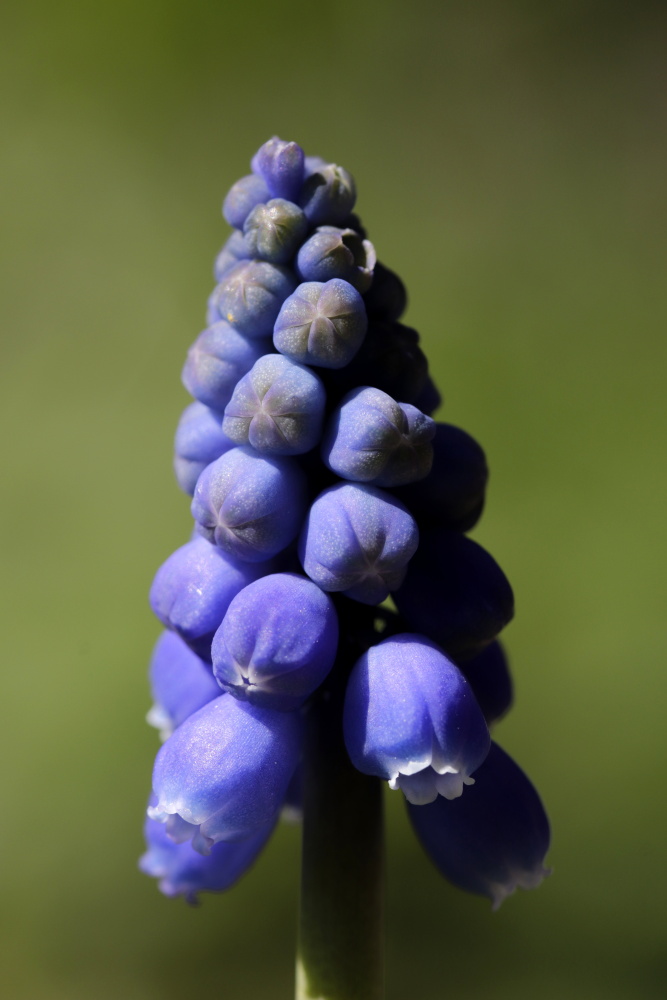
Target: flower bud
x,y
181,683
321,324
242,198
373,439
494,838
278,407
192,591
281,166
248,505
455,593
199,441
274,231
182,871
337,253
224,772
277,642
250,296
411,718
358,540
328,195
219,357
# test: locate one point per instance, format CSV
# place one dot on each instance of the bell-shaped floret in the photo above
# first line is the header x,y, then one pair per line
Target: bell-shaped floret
x,y
199,441
181,683
328,195
494,838
455,593
281,165
489,677
250,505
337,253
373,439
358,540
250,296
219,357
182,871
321,324
242,198
274,231
278,407
387,298
452,494
411,718
224,772
192,591
277,642
234,250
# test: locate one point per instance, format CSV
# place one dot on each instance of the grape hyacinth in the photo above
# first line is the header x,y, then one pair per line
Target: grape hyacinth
x,y
286,680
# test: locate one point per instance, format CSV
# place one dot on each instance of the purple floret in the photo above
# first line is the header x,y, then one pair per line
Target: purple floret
x,y
224,772
219,357
358,540
278,407
248,505
412,719
373,439
193,589
493,839
250,296
277,642
321,324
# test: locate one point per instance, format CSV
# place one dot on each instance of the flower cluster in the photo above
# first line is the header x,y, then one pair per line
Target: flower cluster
x,y
321,487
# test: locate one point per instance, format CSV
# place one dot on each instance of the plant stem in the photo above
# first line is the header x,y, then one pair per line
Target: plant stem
x,y
340,953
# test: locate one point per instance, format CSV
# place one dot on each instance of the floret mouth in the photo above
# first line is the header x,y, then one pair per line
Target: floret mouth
x,y
422,782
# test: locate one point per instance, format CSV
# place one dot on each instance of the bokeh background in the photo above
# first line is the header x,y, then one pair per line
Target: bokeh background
x,y
510,159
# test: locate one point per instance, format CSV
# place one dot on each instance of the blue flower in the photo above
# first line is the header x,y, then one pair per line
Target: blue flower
x,y
358,540
224,772
277,642
182,871
494,839
412,719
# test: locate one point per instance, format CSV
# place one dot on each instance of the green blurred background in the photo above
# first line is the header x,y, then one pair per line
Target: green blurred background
x,y
510,160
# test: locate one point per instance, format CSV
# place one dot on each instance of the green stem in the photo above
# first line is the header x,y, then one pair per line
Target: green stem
x,y
340,953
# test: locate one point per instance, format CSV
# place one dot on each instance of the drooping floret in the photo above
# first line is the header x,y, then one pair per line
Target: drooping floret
x,y
412,719
493,839
277,642
224,772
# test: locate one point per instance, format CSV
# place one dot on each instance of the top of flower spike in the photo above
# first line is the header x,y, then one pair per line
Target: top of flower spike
x,y
281,165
